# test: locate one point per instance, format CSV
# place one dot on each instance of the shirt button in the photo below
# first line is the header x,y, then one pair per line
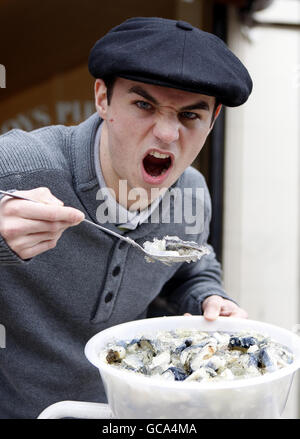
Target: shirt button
x,y
116,270
108,297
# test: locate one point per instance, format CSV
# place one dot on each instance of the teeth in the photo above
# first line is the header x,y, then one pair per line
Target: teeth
x,y
159,155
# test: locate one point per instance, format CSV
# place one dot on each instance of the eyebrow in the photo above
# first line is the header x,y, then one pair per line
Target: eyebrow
x,y
142,92
200,105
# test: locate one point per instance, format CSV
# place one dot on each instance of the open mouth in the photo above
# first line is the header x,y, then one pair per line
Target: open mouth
x,y
156,164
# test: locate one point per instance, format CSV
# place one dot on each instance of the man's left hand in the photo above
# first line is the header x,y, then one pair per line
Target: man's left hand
x,y
215,306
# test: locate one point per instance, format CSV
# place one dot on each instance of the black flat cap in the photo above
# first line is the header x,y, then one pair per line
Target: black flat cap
x,y
172,54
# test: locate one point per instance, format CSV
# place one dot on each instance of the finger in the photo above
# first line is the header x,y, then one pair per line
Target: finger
x,y
187,314
228,308
13,228
43,212
225,312
240,313
28,241
212,308
231,309
37,249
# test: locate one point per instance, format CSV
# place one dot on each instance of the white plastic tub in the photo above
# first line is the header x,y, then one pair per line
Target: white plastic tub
x,y
133,396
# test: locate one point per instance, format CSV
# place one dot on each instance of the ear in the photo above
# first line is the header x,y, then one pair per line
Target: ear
x,y
101,98
217,112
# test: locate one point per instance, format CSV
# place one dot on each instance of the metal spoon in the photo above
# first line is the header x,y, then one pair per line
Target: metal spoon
x,y
173,244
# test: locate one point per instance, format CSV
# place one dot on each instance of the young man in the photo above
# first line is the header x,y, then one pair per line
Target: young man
x,y
159,88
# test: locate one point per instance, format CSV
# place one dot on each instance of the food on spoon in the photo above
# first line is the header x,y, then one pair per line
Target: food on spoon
x,y
174,249
193,355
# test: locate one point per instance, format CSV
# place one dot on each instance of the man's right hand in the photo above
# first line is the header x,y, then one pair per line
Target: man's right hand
x,y
31,228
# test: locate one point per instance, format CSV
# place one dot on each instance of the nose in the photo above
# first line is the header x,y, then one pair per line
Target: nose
x,y
166,129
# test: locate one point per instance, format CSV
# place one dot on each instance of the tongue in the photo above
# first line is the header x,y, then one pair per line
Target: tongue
x,y
155,166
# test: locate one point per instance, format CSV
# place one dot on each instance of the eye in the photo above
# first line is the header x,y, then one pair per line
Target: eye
x,y
143,105
189,115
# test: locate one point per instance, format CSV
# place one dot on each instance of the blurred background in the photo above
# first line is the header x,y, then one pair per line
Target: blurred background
x,y
251,160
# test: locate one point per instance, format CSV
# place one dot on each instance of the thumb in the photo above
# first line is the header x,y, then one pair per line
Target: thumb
x,y
53,200
56,201
41,195
46,196
211,308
